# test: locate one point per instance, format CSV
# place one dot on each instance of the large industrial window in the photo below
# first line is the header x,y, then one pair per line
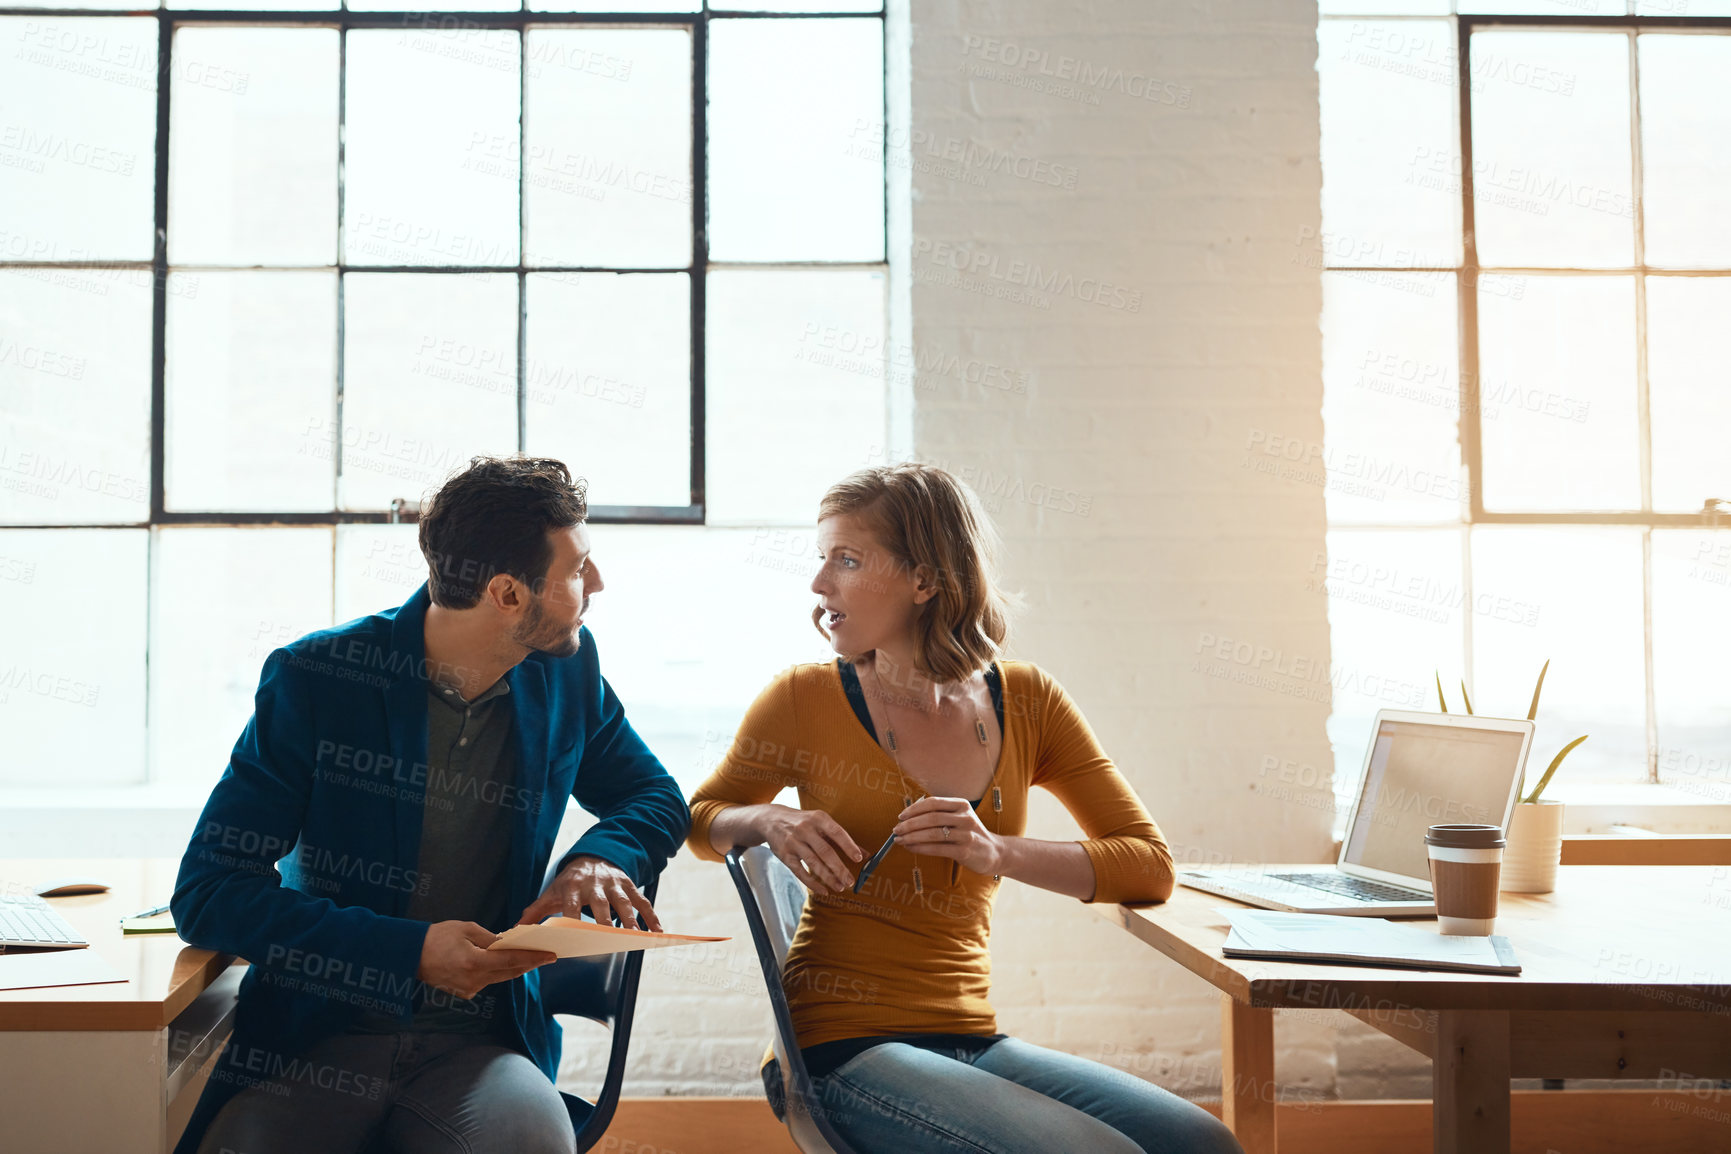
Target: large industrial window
x,y
267,276
1526,249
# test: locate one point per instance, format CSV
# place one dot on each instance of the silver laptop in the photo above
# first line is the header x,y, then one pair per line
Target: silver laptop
x,y
1422,769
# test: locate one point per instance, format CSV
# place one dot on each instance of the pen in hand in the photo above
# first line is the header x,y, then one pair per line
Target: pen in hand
x,y
866,870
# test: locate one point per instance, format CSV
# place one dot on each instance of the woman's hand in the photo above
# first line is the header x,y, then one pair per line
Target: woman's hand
x,y
812,844
949,827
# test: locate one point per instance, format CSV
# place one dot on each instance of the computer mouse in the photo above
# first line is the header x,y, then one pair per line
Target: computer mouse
x,y
67,887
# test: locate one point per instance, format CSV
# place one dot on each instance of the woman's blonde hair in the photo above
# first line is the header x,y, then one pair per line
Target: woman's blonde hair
x,y
926,518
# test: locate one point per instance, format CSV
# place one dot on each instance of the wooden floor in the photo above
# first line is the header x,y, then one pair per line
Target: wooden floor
x,y
1545,1122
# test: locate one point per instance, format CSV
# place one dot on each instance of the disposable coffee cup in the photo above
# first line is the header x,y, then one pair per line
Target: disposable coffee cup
x,y
1466,862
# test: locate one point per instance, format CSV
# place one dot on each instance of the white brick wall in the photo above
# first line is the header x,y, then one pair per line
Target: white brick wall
x,y
1114,442
1190,200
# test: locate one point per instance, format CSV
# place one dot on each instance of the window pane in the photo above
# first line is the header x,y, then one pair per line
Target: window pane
x,y
787,419
429,380
454,32
378,566
1385,7
609,382
72,611
1686,149
1557,393
74,395
253,177
786,99
1551,160
1572,596
1683,7
221,600
1395,605
687,677
1391,167
799,6
260,5
1691,635
1545,7
609,142
124,5
1391,399
615,5
77,169
422,187
251,371
1688,348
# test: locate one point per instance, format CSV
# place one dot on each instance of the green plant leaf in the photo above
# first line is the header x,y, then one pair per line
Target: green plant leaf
x,y
1555,762
1533,709
1464,696
1441,701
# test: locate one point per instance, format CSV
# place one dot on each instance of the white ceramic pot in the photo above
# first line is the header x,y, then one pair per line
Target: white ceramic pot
x,y
1535,847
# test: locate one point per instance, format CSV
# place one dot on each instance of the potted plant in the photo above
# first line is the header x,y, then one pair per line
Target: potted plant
x,y
1535,833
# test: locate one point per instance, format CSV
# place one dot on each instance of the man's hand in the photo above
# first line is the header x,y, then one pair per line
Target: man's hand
x,y
588,883
455,958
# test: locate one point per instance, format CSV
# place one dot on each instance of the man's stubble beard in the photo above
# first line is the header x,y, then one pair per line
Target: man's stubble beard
x,y
535,633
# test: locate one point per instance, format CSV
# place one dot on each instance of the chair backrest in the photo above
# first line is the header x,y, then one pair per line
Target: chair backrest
x,y
779,895
603,989
586,987
772,899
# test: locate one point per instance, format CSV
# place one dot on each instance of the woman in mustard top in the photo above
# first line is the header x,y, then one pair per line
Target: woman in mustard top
x,y
920,730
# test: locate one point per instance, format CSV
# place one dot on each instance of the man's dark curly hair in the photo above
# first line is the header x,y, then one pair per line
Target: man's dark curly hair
x,y
493,517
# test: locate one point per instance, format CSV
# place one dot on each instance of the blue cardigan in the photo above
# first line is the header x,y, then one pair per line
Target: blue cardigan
x,y
304,859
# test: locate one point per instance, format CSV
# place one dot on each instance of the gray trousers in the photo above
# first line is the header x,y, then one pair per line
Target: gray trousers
x,y
405,1093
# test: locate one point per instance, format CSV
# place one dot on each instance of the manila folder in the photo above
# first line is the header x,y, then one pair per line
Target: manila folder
x,y
575,938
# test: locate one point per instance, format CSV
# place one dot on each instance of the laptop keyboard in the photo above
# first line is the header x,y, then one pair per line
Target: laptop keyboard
x,y
25,924
1348,886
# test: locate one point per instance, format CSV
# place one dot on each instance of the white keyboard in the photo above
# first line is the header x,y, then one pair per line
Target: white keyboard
x,y
30,921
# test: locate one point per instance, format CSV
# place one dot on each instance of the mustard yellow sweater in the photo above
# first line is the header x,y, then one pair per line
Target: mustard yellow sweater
x,y
888,960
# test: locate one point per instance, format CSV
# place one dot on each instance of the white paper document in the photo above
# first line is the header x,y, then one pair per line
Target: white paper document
x,y
575,938
33,969
1279,935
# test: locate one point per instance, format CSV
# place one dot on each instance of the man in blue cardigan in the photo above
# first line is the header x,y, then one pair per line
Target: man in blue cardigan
x,y
390,807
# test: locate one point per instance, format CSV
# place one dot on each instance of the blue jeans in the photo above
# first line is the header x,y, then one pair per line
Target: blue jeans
x,y
406,1092
1011,1098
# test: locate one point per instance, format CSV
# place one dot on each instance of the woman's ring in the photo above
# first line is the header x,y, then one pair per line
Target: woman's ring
x,y
946,833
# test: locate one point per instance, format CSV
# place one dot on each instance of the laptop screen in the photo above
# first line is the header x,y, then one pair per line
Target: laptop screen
x,y
1423,775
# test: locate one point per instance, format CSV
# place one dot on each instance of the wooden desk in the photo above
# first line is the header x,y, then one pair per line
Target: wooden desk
x,y
115,1068
1626,973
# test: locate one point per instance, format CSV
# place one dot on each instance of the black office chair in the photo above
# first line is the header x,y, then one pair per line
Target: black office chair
x,y
603,989
773,899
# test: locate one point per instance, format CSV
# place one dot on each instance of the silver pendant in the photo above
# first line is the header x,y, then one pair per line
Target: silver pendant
x,y
980,728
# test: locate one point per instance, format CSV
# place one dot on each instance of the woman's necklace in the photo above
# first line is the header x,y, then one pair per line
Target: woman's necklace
x,y
907,792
